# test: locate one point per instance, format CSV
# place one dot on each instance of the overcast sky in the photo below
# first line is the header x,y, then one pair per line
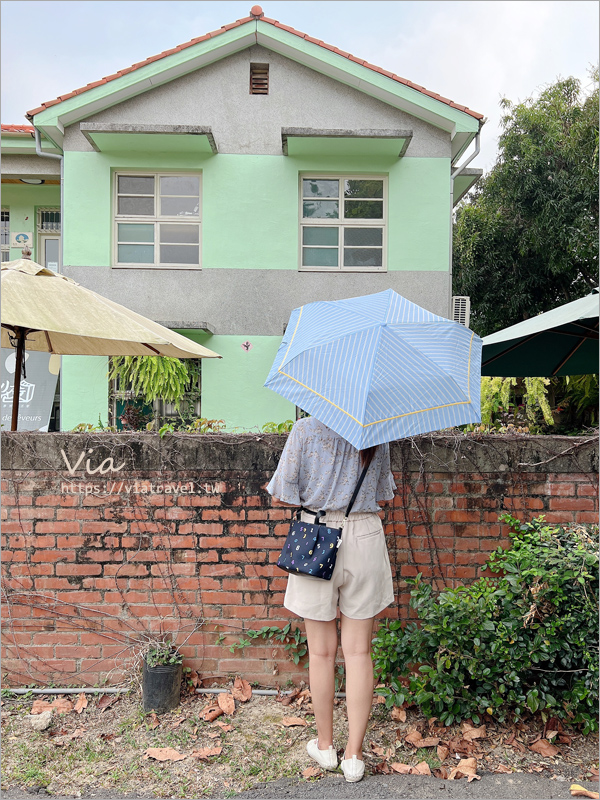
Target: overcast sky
x,y
473,52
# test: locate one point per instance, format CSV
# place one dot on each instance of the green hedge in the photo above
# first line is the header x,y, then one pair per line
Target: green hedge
x,y
522,640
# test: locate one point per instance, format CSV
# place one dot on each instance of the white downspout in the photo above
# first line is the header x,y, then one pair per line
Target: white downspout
x,y
453,175
40,152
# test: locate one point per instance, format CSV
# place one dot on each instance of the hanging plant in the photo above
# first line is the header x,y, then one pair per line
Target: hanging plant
x,y
153,377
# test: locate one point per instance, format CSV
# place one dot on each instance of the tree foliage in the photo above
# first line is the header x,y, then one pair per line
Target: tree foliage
x,y
526,240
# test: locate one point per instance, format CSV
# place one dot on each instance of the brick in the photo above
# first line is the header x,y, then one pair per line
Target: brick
x,y
561,489
587,490
53,555
571,504
57,527
31,513
229,542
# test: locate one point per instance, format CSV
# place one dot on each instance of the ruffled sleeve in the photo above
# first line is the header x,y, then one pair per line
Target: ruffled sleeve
x,y
284,484
386,486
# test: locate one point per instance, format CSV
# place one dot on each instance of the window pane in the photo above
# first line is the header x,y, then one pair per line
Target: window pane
x,y
188,185
136,206
363,257
363,209
319,257
135,233
179,254
361,237
136,254
180,234
179,206
354,188
320,188
136,184
321,209
320,236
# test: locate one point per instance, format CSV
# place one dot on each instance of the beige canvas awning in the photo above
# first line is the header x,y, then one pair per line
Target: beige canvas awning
x,y
48,312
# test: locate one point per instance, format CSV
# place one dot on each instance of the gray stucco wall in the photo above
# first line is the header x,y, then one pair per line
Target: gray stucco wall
x,y
23,165
251,302
218,96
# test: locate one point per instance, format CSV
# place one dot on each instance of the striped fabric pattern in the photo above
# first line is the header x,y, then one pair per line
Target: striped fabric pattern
x,y
378,368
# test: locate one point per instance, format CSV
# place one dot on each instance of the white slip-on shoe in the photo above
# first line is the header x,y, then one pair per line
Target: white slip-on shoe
x,y
326,758
353,769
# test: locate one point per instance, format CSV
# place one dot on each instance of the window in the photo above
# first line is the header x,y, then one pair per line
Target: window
x,y
343,223
48,220
157,221
5,234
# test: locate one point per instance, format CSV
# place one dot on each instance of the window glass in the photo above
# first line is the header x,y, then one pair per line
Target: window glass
x,y
321,209
326,236
363,237
179,206
179,254
320,188
135,233
320,257
179,234
136,206
362,257
136,184
363,209
136,253
187,185
360,188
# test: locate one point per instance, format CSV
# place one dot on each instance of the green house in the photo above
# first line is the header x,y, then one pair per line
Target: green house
x,y
218,185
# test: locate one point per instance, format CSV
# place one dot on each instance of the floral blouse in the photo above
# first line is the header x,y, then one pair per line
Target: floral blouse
x,y
319,470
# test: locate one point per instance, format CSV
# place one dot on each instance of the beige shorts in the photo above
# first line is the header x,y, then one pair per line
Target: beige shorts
x,y
362,578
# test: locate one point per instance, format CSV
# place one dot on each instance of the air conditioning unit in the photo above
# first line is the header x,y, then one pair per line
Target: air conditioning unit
x,y
461,310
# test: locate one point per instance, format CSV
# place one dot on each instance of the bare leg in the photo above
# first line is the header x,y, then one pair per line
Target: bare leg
x,y
322,648
356,644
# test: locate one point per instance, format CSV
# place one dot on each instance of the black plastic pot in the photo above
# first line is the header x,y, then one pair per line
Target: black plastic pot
x,y
161,686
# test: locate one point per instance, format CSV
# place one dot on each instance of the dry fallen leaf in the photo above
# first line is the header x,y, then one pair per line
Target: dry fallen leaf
x,y
441,772
163,754
466,767
312,772
403,769
211,713
414,738
382,768
544,748
81,703
39,706
213,734
430,741
290,722
207,752
442,752
154,721
107,700
474,733
579,791
226,702
225,727
62,706
399,714
242,690
550,735
286,699
422,768
376,749
502,768
378,700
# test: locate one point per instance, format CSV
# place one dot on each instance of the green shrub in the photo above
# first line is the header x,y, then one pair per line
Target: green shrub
x,y
523,639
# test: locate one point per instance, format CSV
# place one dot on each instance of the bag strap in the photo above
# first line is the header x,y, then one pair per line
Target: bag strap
x,y
356,491
318,515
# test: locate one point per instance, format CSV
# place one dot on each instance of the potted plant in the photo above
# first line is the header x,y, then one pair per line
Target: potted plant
x,y
161,676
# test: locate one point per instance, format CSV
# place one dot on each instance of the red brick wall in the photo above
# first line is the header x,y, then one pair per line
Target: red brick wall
x,y
90,568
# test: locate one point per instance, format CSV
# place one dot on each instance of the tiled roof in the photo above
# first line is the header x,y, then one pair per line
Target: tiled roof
x,y
17,128
256,12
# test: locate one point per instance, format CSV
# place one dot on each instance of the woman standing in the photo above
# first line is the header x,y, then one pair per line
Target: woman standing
x,y
319,470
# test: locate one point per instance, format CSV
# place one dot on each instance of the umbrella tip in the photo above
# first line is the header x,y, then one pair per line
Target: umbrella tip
x,y
26,252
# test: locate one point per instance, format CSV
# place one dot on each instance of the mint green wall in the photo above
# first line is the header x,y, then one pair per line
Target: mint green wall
x,y
22,201
232,386
250,206
84,391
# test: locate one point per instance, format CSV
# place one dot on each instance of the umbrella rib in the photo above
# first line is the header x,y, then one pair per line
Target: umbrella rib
x,y
154,350
48,342
510,349
571,353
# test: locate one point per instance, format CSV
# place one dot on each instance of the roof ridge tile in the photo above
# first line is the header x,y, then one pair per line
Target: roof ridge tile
x,y
256,15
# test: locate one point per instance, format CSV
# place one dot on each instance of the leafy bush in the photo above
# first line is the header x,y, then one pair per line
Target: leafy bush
x,y
524,639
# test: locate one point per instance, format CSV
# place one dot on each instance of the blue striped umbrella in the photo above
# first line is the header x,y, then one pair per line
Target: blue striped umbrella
x,y
378,368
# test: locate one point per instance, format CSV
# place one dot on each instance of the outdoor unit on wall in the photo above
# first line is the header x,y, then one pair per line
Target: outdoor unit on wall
x,y
461,310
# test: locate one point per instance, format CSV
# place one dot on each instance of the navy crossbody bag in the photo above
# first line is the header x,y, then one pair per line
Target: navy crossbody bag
x,y
311,548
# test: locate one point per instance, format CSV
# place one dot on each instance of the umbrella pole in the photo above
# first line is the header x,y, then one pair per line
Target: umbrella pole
x,y
17,385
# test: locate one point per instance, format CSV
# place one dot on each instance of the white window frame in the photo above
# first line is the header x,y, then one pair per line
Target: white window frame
x,y
155,219
54,210
342,223
6,247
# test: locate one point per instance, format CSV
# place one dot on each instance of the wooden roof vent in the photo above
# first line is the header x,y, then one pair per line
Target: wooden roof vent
x,y
259,79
